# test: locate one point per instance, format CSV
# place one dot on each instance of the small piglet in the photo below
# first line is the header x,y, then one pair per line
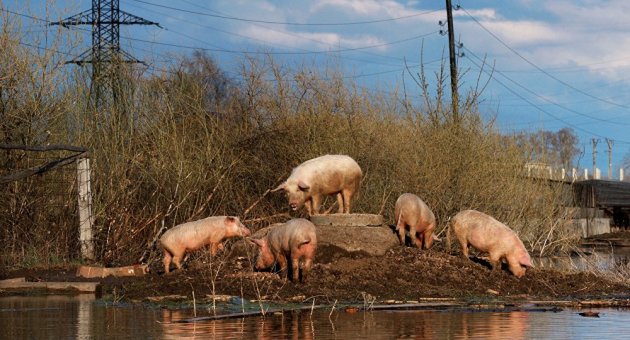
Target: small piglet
x,y
294,240
193,235
412,213
489,235
322,176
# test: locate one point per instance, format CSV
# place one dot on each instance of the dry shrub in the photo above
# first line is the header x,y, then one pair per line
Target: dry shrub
x,y
188,142
38,224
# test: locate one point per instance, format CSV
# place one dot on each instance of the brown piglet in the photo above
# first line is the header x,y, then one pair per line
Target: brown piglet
x,y
413,214
294,240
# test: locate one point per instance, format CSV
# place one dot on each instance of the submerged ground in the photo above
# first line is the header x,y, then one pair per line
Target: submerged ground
x,y
402,274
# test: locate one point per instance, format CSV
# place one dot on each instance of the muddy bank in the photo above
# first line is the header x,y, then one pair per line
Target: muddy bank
x,y
402,274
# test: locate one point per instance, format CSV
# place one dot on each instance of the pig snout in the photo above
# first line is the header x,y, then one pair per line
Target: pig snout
x,y
295,203
244,231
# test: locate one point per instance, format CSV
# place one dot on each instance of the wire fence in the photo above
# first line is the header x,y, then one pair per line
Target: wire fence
x,y
38,205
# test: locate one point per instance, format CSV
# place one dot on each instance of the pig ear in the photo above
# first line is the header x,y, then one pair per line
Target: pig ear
x,y
280,187
526,261
255,241
303,186
230,219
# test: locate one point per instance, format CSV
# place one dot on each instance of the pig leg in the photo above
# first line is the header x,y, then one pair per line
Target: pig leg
x,y
427,236
167,261
464,243
340,203
176,260
400,226
414,238
282,262
420,240
316,201
495,262
308,262
347,196
309,207
215,247
295,269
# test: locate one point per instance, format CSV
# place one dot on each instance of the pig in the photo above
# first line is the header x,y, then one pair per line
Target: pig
x,y
486,234
322,176
413,214
292,241
193,235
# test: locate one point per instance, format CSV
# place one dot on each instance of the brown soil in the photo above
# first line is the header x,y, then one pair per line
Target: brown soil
x,y
401,274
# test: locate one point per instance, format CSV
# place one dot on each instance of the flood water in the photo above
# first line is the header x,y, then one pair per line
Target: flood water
x,y
83,317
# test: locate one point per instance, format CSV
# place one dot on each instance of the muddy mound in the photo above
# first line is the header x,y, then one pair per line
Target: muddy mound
x,y
401,274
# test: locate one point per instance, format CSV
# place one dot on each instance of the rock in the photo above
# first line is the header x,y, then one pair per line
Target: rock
x,y
373,238
374,241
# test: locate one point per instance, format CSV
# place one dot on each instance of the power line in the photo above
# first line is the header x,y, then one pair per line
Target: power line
x,y
547,99
283,33
541,109
539,68
282,53
255,52
286,22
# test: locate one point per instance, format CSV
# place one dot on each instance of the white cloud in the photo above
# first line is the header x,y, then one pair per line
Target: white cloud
x,y
322,40
559,33
365,7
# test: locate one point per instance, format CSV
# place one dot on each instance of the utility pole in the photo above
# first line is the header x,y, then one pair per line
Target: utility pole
x,y
610,143
595,141
105,55
453,61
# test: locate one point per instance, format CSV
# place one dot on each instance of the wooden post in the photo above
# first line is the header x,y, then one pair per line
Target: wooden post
x,y
452,61
86,220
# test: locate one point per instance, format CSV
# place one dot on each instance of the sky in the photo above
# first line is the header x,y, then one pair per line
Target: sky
x,y
555,64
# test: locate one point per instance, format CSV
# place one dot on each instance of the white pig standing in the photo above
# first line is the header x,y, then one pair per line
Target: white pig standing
x,y
322,176
493,237
193,235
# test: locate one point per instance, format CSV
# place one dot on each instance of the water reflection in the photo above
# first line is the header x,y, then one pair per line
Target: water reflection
x,y
81,317
290,325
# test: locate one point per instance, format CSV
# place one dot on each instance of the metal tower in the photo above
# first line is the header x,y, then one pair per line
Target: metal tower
x,y
105,56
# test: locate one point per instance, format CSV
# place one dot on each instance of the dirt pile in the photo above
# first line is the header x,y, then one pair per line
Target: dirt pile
x,y
401,274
